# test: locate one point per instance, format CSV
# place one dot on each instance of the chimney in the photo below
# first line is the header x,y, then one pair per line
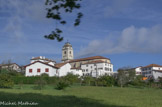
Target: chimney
x,y
40,57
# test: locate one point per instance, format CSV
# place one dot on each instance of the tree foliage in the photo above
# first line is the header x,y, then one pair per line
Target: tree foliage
x,y
105,81
40,83
126,75
86,80
56,9
122,77
71,78
6,81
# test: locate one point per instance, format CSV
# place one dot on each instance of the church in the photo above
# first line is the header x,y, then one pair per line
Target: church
x,y
94,66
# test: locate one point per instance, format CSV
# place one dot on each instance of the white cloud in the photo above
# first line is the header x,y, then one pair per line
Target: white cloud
x,y
20,13
131,39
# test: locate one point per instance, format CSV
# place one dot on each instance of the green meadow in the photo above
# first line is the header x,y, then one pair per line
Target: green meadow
x,y
84,96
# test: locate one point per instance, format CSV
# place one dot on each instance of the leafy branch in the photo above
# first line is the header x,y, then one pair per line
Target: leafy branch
x,y
55,10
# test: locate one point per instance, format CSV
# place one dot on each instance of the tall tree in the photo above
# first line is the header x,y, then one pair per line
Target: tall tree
x,y
56,9
122,77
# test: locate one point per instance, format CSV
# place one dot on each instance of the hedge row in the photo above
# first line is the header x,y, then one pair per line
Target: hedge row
x,y
33,80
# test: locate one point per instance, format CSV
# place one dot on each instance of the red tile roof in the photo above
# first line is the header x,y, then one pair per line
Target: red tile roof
x,y
58,65
88,58
40,62
9,64
152,65
76,68
94,62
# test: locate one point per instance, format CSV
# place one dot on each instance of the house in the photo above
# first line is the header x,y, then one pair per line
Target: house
x,y
62,69
41,65
77,71
153,71
11,66
37,68
138,70
97,68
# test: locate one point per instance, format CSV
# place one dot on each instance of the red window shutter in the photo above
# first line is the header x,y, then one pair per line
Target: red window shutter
x,y
47,70
30,70
38,70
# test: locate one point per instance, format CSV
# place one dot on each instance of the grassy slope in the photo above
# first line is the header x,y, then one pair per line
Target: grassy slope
x,y
86,96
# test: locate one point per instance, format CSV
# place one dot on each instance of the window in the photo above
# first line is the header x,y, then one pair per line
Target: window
x,y
46,70
70,52
38,70
64,52
110,69
91,66
87,65
30,70
87,70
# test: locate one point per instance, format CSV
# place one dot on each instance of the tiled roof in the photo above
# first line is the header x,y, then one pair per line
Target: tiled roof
x,y
88,58
9,64
94,62
40,62
58,65
35,58
152,65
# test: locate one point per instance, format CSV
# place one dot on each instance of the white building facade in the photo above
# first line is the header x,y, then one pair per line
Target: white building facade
x,y
11,66
77,71
37,68
67,52
153,71
63,69
138,70
97,68
41,65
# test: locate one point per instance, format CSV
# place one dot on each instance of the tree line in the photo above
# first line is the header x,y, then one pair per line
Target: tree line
x,y
124,78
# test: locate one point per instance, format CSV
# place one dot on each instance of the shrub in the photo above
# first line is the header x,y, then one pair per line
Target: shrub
x,y
6,81
87,80
62,85
106,81
71,78
40,83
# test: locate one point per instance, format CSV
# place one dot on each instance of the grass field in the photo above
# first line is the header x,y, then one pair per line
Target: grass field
x,y
85,96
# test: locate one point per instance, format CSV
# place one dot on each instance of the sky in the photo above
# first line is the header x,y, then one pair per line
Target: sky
x,y
129,32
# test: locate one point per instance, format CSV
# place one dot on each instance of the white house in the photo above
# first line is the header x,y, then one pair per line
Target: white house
x,y
152,71
37,68
97,68
63,69
138,70
77,71
40,65
11,66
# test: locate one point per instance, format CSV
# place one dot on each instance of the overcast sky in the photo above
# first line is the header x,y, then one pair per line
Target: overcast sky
x,y
129,32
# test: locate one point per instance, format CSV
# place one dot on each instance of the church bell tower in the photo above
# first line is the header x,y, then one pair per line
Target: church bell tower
x,y
67,52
